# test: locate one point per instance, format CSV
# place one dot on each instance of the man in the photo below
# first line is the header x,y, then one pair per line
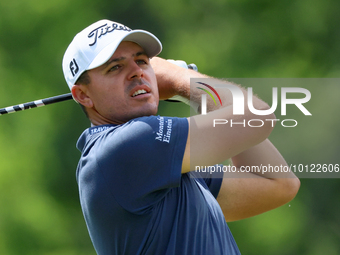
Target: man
x,y
136,192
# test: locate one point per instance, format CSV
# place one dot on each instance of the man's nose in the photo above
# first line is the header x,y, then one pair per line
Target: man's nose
x,y
136,71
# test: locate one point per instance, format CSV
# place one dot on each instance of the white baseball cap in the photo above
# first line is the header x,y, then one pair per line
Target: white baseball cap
x,y
94,46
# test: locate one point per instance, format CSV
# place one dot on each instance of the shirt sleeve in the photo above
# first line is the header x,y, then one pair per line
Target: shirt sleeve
x,y
142,159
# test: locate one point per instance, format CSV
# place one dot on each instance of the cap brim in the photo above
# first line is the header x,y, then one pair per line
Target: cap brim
x,y
146,40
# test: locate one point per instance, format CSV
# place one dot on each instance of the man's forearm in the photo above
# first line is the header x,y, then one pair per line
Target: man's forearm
x,y
176,81
194,87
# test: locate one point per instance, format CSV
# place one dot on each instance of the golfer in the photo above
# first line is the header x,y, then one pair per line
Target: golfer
x,y
139,191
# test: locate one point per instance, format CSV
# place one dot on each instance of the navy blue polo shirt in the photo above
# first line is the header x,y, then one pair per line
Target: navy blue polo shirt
x,y
135,199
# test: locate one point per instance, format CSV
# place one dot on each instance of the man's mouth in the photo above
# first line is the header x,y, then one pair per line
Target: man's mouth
x,y
139,92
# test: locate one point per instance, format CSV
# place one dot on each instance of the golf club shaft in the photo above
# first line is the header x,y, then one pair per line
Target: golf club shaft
x,y
34,104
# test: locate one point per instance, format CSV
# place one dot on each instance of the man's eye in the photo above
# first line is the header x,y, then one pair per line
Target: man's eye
x,y
114,68
141,62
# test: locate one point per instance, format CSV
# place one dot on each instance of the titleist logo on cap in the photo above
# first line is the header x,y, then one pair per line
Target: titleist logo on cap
x,y
104,29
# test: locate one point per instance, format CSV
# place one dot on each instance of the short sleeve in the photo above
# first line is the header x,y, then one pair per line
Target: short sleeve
x,y
142,159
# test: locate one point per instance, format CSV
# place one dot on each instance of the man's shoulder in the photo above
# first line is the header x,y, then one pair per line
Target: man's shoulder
x,y
141,129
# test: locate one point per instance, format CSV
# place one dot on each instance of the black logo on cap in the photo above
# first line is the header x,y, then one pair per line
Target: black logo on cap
x,y
104,29
74,67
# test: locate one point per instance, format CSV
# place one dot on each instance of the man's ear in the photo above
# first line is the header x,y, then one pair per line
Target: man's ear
x,y
79,93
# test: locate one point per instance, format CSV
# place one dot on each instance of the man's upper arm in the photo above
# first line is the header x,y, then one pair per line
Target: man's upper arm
x,y
250,195
247,193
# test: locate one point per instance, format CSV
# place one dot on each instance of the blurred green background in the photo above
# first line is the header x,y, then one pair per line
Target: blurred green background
x,y
39,208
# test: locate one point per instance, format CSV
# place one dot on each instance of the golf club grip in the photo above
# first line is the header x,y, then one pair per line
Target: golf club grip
x,y
57,99
193,67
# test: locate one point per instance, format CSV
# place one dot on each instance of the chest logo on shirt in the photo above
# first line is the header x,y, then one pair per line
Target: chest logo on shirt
x,y
164,130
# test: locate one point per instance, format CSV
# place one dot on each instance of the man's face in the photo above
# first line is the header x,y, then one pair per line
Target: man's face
x,y
123,88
